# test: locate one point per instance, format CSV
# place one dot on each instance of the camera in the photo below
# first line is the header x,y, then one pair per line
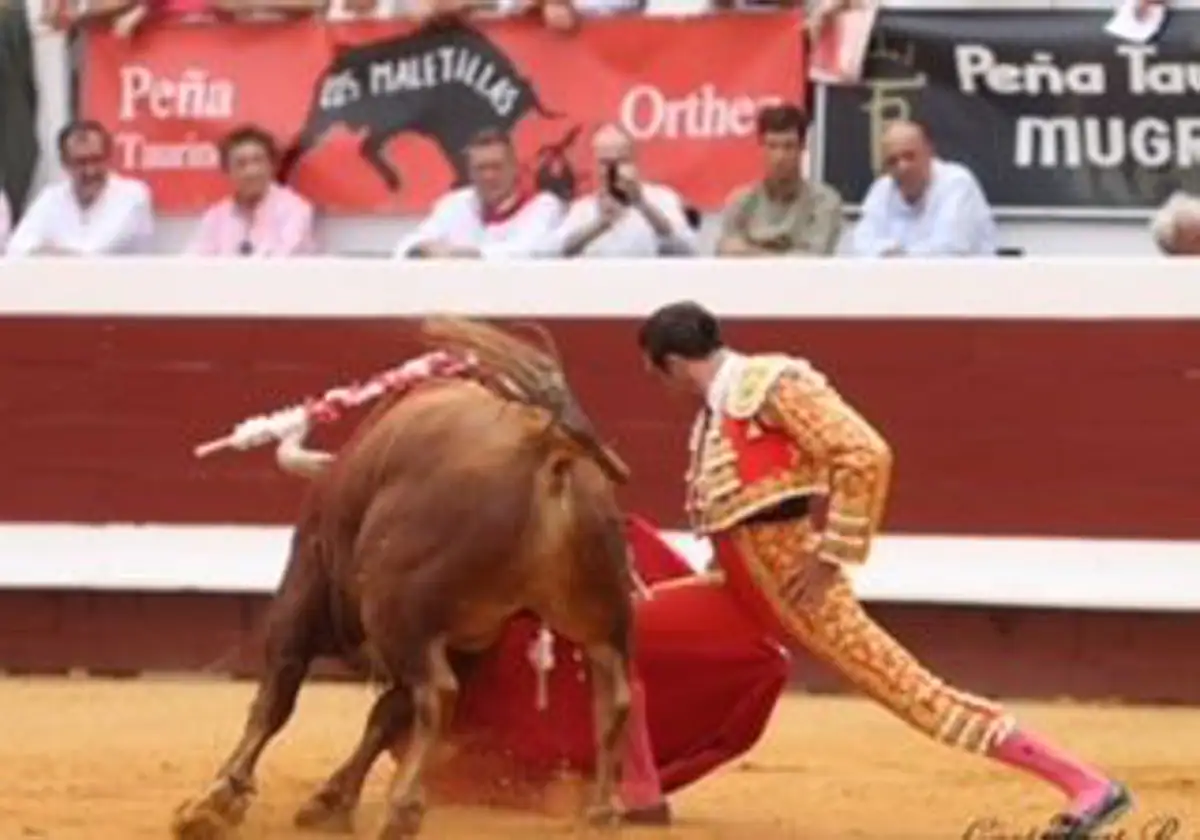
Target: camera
x,y
612,180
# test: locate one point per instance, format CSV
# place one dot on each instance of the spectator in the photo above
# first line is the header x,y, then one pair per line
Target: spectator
x,y
784,213
67,14
752,5
267,10
126,22
624,217
342,10
566,15
94,211
1176,225
5,220
261,218
923,206
557,15
494,217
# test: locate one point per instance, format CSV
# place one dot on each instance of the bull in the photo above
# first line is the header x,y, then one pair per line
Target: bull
x,y
453,507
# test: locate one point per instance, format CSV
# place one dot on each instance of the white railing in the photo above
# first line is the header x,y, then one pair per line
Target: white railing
x,y
1108,288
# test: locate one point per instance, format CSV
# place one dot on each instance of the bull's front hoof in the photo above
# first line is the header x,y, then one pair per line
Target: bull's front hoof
x,y
195,823
327,812
214,816
403,821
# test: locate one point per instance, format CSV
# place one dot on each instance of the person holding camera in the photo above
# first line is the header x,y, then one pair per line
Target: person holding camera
x,y
625,217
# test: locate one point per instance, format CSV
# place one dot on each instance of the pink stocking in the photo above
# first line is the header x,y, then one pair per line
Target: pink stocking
x,y
1085,786
640,786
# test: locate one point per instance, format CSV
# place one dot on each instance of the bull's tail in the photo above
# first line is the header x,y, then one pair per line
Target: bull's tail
x,y
540,107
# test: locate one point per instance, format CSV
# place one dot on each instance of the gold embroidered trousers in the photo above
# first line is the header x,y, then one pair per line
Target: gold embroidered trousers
x,y
772,570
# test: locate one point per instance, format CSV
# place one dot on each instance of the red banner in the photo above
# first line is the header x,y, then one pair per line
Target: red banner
x,y
374,116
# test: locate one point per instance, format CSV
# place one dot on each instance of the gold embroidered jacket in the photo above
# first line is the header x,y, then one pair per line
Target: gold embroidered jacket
x,y
784,432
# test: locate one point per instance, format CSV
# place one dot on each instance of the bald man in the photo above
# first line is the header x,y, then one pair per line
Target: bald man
x,y
1176,225
922,206
624,217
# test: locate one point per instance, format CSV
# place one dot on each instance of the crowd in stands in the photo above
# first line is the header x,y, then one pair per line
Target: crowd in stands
x,y
127,16
920,205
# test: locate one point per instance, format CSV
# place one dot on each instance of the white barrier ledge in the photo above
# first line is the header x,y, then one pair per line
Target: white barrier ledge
x,y
1107,288
1147,575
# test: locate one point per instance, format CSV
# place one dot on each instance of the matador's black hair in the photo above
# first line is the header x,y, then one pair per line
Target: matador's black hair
x,y
684,329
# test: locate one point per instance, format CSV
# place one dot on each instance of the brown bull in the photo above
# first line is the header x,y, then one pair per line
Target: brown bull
x,y
452,508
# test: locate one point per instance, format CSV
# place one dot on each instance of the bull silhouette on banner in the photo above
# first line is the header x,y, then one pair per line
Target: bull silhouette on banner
x,y
445,81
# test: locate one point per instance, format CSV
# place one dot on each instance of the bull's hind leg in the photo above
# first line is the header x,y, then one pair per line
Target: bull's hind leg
x,y
373,148
434,692
332,807
290,649
612,698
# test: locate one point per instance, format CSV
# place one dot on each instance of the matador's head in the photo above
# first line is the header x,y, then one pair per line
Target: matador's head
x,y
681,344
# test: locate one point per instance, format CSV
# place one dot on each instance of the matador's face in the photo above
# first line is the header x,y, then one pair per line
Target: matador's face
x,y
672,374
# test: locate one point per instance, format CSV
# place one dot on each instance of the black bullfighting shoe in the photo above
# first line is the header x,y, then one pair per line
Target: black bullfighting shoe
x,y
1083,825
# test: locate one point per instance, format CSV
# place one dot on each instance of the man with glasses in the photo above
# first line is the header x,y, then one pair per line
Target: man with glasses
x,y
495,217
93,212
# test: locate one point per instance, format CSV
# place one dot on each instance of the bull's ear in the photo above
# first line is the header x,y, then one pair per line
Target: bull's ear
x,y
559,470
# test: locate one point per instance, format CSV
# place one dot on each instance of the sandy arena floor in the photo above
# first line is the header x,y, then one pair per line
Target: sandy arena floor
x,y
109,761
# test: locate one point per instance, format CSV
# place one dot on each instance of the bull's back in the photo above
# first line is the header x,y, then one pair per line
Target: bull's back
x,y
458,417
444,457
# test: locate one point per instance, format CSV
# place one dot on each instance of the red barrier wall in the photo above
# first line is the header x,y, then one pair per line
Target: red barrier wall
x,y
999,427
1084,429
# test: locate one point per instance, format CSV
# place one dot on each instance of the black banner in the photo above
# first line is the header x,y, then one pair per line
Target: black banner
x,y
1051,113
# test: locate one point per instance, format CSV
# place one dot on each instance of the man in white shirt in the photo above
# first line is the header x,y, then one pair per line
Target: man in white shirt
x,y
923,206
493,218
94,211
624,217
